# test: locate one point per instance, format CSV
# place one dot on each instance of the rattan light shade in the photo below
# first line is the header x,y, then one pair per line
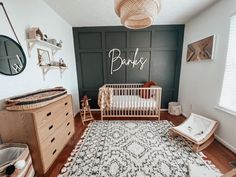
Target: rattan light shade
x,y
137,14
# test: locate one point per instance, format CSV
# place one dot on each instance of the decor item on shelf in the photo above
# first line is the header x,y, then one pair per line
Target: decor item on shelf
x,y
35,33
15,160
137,14
35,99
12,56
55,63
61,62
52,41
201,50
45,37
59,44
43,57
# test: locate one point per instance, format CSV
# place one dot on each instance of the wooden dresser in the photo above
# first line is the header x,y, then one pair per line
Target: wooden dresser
x,y
46,130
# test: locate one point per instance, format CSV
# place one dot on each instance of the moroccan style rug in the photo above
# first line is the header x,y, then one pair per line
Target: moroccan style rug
x,y
130,149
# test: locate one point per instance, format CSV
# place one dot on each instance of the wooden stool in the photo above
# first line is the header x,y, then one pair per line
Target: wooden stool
x,y
85,113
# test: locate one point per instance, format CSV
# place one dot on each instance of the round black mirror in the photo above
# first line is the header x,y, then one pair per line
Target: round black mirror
x,y
12,57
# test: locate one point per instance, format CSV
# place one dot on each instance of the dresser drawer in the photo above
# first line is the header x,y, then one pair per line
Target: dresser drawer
x,y
50,155
45,114
70,129
53,145
53,124
59,135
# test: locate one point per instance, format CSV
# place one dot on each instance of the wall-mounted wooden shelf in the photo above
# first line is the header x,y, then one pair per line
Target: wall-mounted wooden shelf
x,y
32,42
46,68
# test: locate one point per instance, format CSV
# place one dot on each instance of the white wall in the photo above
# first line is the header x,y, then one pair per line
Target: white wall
x,y
25,14
201,82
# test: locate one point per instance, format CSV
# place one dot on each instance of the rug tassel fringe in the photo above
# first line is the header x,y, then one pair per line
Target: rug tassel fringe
x,y
63,171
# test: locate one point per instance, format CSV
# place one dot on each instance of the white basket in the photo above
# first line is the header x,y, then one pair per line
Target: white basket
x,y
174,108
17,155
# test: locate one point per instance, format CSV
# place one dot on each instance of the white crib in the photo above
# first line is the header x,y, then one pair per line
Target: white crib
x,y
129,100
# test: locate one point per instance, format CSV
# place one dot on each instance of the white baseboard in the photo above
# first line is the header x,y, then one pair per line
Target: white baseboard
x,y
184,115
99,109
233,149
95,110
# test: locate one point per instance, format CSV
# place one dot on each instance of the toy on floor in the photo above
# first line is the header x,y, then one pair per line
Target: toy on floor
x,y
197,130
85,112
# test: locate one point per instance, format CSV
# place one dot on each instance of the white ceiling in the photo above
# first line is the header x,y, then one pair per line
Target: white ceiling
x,y
101,12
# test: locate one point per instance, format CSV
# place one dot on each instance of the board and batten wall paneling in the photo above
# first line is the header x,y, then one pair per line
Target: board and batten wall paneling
x,y
161,45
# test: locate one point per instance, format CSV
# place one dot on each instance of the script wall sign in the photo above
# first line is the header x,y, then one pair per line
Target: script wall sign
x,y
115,55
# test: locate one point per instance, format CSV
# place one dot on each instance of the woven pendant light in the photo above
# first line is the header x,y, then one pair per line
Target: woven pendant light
x,y
137,14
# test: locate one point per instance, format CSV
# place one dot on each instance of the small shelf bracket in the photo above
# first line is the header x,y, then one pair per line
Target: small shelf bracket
x,y
45,70
30,47
54,51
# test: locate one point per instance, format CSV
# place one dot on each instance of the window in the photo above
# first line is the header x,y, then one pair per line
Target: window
x,y
228,93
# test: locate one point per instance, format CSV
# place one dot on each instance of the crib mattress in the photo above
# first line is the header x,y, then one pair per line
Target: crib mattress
x,y
132,102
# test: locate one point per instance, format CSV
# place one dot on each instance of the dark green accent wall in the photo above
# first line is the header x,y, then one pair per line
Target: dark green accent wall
x,y
162,45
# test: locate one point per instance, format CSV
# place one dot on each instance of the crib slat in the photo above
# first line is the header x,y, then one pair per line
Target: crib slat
x,y
119,102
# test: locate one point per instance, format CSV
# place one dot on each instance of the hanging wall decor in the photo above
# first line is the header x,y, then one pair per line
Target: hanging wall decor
x,y
115,55
12,56
201,50
43,57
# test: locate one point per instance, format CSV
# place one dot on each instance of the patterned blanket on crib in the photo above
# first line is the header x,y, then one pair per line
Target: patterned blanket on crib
x,y
105,97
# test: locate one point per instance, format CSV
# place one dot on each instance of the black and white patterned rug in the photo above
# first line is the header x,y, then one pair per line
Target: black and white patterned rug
x,y
130,149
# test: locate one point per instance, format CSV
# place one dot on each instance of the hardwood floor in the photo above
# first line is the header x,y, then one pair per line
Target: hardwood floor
x,y
216,152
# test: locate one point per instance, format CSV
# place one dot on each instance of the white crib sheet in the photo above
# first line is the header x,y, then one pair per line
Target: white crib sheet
x,y
132,102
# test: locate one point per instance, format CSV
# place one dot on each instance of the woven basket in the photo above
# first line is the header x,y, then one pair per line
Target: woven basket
x,y
174,108
137,14
10,154
35,99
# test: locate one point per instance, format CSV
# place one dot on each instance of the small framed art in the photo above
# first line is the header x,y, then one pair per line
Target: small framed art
x,y
43,57
201,50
